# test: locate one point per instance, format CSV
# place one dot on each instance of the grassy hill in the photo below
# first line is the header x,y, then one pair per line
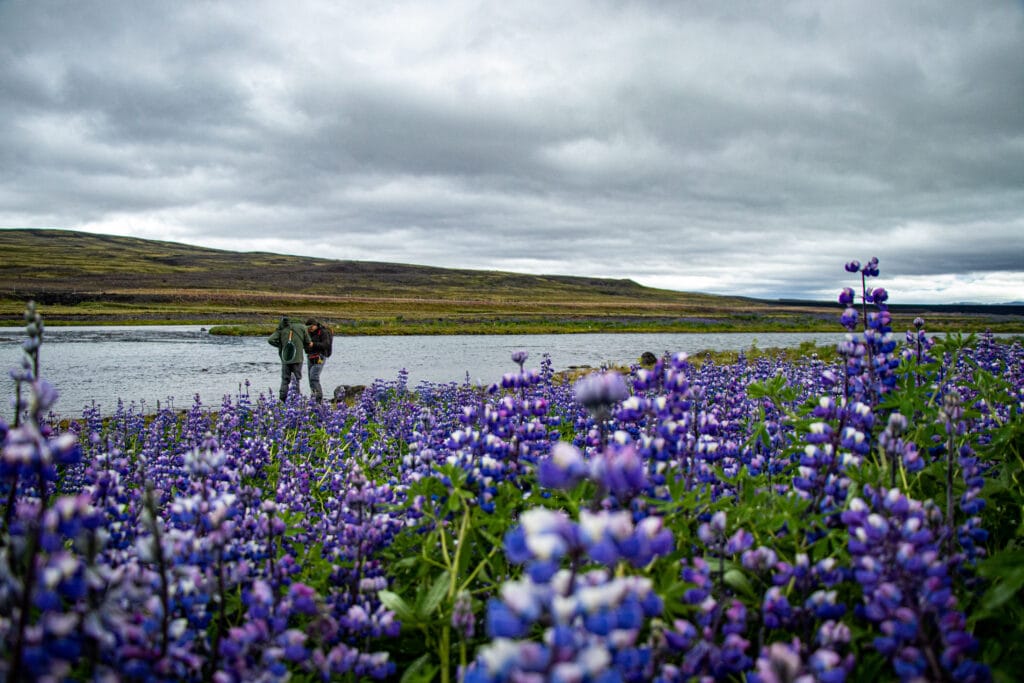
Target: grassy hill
x,y
86,278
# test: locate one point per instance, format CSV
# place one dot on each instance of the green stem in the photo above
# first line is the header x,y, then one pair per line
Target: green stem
x,y
949,496
35,531
446,646
464,525
472,575
446,634
444,547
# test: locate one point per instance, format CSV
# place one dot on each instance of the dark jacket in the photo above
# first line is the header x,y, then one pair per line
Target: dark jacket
x,y
320,342
300,337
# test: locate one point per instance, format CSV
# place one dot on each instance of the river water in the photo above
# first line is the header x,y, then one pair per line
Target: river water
x,y
173,363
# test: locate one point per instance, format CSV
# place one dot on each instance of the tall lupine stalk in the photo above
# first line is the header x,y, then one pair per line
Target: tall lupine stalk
x,y
30,460
598,392
151,519
920,344
871,359
950,415
906,587
28,373
869,269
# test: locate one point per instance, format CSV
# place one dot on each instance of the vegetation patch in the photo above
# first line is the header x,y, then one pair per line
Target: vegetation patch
x,y
840,514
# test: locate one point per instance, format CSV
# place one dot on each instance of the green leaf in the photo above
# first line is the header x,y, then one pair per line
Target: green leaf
x,y
434,596
993,566
395,603
406,563
739,582
998,594
490,538
419,672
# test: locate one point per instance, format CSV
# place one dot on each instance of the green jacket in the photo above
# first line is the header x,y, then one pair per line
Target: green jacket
x,y
299,337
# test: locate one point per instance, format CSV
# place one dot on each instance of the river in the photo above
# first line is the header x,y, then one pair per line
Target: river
x,y
173,363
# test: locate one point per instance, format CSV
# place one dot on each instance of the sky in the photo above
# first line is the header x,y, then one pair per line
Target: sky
x,y
742,148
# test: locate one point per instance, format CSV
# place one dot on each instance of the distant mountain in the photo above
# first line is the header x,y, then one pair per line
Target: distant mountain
x,y
68,261
89,278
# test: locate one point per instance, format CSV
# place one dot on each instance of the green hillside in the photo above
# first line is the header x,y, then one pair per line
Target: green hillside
x,y
82,278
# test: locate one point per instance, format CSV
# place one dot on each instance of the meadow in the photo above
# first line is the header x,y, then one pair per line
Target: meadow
x,y
855,516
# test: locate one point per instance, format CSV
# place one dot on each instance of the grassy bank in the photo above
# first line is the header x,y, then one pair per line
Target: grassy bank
x,y
401,326
384,327
363,318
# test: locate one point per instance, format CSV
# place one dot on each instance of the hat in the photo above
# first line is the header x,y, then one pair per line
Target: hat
x,y
311,321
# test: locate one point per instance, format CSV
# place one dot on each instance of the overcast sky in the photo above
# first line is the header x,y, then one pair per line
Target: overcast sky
x,y
728,147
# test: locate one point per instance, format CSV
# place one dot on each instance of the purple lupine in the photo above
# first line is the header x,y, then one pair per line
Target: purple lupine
x,y
905,582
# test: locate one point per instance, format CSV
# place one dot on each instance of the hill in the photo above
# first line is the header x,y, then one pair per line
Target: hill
x,y
81,277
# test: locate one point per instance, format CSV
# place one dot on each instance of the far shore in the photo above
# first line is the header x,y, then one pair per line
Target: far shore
x,y
400,326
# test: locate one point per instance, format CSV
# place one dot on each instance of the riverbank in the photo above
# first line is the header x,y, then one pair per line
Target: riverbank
x,y
413,318
442,327
436,327
400,326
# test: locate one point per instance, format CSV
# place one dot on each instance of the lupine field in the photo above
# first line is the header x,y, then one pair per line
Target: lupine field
x,y
759,521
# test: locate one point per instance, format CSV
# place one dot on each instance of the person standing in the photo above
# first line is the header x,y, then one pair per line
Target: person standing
x,y
321,350
291,339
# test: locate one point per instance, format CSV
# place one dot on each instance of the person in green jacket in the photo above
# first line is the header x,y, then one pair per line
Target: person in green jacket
x,y
290,338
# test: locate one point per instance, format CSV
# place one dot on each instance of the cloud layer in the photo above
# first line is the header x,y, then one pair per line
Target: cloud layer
x,y
740,149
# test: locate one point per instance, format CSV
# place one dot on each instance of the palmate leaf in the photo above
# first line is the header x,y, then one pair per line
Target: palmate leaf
x,y
775,388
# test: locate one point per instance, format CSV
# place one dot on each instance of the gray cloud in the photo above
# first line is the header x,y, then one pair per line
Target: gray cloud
x,y
684,145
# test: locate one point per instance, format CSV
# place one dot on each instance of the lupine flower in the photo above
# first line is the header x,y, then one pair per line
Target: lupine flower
x,y
849,318
519,357
906,585
563,469
600,390
463,619
619,471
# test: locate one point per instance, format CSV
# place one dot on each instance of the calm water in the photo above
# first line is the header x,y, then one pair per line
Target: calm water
x,y
174,363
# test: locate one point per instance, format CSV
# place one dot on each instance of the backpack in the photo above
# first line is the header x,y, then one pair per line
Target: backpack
x,y
288,351
328,338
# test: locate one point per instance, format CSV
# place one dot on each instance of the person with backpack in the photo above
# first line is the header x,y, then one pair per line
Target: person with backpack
x,y
291,339
323,343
